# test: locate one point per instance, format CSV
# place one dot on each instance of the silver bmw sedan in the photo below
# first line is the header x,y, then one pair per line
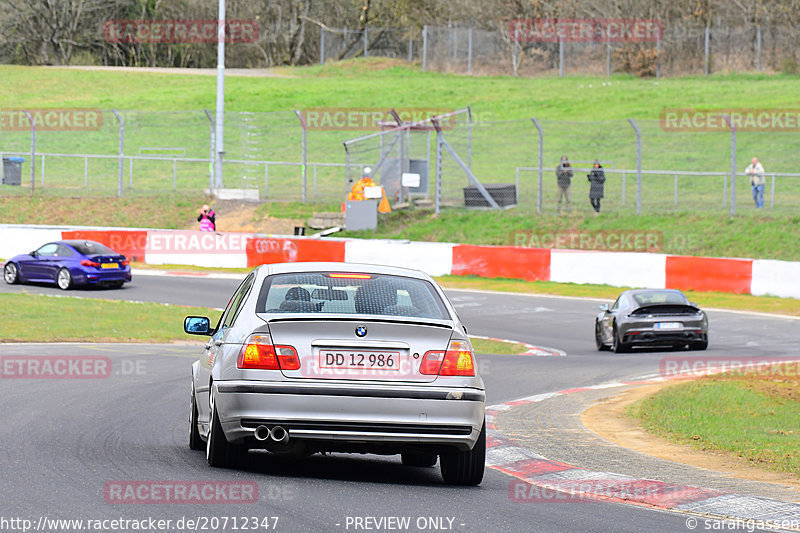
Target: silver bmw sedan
x,y
339,357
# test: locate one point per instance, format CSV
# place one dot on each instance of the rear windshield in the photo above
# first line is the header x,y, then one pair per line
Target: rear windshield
x,y
659,297
91,248
350,294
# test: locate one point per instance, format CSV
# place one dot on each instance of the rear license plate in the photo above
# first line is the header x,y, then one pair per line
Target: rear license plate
x,y
359,360
109,265
668,325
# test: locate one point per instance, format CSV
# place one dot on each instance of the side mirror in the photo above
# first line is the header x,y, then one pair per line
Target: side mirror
x,y
33,253
604,307
693,304
197,325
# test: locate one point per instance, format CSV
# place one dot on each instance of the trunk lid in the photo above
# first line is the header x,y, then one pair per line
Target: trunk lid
x,y
374,349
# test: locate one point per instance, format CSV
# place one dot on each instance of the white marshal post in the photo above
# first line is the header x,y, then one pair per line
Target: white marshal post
x,y
220,115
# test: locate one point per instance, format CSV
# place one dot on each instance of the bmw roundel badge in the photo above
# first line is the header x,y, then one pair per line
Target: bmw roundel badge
x,y
361,331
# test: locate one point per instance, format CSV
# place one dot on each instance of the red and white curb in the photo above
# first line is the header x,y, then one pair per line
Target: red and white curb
x,y
530,349
537,471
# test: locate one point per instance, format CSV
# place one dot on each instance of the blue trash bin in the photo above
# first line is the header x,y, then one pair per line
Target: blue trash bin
x,y
12,170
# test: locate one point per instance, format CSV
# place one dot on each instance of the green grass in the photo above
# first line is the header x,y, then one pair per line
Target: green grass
x,y
743,302
582,116
39,318
761,235
753,417
491,346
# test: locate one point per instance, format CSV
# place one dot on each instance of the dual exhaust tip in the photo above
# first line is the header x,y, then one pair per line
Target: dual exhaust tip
x,y
276,434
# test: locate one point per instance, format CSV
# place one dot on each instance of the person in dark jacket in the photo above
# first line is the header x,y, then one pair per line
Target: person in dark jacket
x,y
597,177
564,178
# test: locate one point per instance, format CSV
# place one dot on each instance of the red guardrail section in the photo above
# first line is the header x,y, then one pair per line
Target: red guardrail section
x,y
275,250
501,262
130,243
709,274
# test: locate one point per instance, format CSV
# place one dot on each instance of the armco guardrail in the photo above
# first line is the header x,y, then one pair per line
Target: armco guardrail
x,y
183,247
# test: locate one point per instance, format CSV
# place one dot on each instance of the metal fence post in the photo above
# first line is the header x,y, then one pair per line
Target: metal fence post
x,y
366,42
33,149
638,165
676,190
469,51
305,151
210,154
706,50
322,46
560,57
410,48
540,183
758,48
424,48
515,53
438,195
469,137
733,163
121,153
658,56
608,55
772,194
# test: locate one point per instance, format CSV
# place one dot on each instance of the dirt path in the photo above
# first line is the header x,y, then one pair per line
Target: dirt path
x,y
607,419
242,216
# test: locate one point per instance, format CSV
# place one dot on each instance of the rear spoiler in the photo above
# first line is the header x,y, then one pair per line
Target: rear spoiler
x,y
317,317
666,309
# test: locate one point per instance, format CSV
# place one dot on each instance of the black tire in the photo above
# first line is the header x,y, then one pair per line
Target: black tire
x,y
616,345
11,273
699,345
465,468
195,441
598,341
218,449
64,279
420,459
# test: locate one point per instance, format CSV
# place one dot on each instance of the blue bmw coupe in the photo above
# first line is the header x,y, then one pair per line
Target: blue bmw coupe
x,y
69,264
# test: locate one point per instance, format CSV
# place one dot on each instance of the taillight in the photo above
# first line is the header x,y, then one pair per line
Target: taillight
x,y
87,263
287,357
456,361
125,262
431,363
259,353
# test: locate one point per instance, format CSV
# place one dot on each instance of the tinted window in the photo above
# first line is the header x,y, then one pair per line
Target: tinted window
x,y
351,294
91,248
48,250
63,251
660,297
235,305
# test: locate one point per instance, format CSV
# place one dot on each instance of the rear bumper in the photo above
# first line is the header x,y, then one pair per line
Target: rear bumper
x,y
401,415
664,337
100,276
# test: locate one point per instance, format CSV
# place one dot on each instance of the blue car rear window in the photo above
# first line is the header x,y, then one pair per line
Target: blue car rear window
x,y
91,248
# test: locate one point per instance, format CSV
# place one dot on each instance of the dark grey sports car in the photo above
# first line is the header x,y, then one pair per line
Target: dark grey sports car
x,y
651,317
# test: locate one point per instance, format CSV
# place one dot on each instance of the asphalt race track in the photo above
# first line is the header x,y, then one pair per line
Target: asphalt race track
x,y
64,441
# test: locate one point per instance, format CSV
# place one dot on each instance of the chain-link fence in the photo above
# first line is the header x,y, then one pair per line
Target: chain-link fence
x,y
679,49
291,156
